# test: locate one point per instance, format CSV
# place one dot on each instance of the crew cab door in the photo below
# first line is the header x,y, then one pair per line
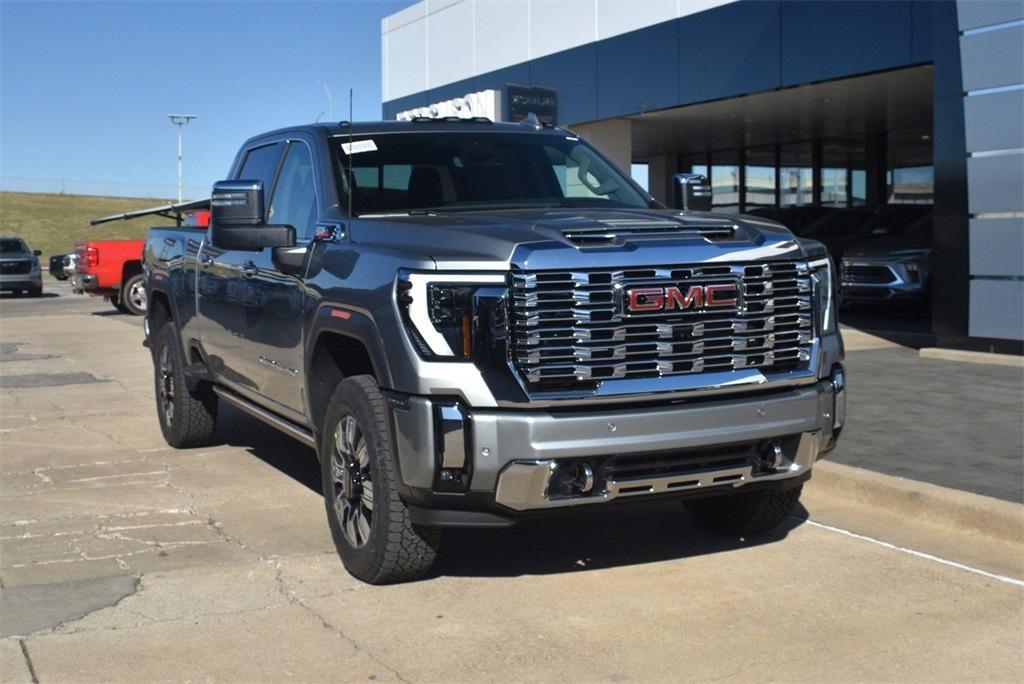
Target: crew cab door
x,y
220,296
273,301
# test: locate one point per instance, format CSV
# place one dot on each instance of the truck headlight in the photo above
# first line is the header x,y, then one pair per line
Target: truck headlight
x,y
823,274
437,309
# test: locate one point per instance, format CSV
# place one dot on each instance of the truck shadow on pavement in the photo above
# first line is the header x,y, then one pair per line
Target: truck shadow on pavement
x,y
617,536
652,533
295,460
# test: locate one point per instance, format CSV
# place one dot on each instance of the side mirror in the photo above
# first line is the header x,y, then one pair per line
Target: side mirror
x,y
691,192
37,252
237,218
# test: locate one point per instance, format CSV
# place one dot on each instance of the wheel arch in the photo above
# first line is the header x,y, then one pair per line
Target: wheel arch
x,y
128,269
343,343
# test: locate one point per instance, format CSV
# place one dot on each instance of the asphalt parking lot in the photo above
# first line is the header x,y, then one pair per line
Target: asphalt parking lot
x,y
123,560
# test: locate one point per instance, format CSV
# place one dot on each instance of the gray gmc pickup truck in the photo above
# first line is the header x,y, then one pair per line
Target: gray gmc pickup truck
x,y
475,324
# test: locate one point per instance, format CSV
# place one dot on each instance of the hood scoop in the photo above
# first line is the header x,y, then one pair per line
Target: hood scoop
x,y
615,233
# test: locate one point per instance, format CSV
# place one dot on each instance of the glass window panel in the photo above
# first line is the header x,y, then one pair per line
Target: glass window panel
x,y
796,176
639,173
759,190
910,178
294,200
833,187
725,182
859,188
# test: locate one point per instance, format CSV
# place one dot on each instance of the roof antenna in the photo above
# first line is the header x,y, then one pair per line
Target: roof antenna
x,y
351,184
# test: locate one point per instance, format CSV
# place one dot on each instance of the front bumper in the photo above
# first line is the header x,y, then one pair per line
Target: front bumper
x,y
890,281
21,281
515,462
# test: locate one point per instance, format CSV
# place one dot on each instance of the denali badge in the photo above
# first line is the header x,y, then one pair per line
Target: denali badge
x,y
692,298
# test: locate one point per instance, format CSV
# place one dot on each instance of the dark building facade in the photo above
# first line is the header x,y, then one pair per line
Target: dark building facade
x,y
836,111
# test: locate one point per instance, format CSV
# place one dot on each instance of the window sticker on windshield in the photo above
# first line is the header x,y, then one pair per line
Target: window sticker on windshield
x,y
359,146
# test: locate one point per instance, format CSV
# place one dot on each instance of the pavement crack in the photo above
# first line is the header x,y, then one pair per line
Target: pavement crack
x,y
28,661
293,599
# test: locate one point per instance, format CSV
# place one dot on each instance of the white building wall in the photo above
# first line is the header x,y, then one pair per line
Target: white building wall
x,y
993,110
436,42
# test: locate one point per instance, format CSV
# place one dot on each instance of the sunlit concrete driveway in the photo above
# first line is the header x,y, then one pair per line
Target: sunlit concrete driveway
x,y
124,560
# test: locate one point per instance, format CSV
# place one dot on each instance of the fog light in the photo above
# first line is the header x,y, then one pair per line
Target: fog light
x,y
772,458
571,479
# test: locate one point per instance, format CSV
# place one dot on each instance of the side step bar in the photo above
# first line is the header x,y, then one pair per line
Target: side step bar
x,y
286,426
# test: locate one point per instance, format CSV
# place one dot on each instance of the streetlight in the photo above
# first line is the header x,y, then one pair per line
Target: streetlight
x,y
330,100
180,120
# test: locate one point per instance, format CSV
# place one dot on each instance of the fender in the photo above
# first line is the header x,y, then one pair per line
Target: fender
x,y
348,322
157,282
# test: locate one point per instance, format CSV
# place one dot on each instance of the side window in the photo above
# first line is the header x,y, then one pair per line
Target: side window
x,y
261,164
294,200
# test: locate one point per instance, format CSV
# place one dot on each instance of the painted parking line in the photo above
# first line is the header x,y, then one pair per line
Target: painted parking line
x,y
912,552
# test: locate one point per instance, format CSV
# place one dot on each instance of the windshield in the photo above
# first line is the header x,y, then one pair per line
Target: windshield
x,y
446,172
900,220
12,247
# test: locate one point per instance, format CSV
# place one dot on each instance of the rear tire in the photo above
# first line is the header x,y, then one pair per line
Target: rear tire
x,y
188,417
133,296
369,523
745,512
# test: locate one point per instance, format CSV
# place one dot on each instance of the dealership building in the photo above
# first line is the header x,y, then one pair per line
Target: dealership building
x,y
855,106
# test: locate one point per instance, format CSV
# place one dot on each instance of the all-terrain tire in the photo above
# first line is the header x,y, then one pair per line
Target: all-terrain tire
x,y
382,546
132,298
188,417
745,512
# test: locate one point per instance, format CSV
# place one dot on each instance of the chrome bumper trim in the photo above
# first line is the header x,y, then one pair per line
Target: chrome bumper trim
x,y
839,392
524,485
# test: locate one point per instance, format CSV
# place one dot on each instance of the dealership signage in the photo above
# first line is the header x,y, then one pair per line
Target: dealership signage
x,y
486,103
524,100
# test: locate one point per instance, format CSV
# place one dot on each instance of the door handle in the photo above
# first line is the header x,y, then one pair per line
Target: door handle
x,y
249,269
205,259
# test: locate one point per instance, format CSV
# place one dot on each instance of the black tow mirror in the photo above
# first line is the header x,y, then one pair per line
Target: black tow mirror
x,y
237,218
691,192
37,252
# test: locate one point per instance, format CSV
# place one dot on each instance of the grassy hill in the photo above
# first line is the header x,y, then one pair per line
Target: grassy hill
x,y
54,223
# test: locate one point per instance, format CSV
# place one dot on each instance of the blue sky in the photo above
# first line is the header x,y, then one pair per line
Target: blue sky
x,y
85,87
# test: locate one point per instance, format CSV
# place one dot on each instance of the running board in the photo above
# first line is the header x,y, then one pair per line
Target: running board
x,y
286,426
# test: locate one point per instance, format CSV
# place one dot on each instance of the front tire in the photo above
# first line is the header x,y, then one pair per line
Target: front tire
x,y
188,417
36,291
745,512
369,523
133,295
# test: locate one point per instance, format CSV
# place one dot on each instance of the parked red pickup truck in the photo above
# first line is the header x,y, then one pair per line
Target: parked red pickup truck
x,y
113,268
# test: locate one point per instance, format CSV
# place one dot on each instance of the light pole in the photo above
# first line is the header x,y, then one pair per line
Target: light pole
x,y
180,120
330,100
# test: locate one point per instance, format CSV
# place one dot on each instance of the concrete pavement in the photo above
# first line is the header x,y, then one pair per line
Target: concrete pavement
x,y
122,560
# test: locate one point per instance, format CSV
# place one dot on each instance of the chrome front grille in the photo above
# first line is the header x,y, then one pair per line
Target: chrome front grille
x,y
571,327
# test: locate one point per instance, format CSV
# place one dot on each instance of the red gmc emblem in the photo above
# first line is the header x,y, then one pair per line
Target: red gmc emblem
x,y
693,298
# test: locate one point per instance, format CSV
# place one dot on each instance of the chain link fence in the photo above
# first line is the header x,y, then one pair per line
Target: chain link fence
x,y
66,186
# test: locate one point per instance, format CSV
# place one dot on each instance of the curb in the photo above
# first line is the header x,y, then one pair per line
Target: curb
x,y
971,356
926,502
